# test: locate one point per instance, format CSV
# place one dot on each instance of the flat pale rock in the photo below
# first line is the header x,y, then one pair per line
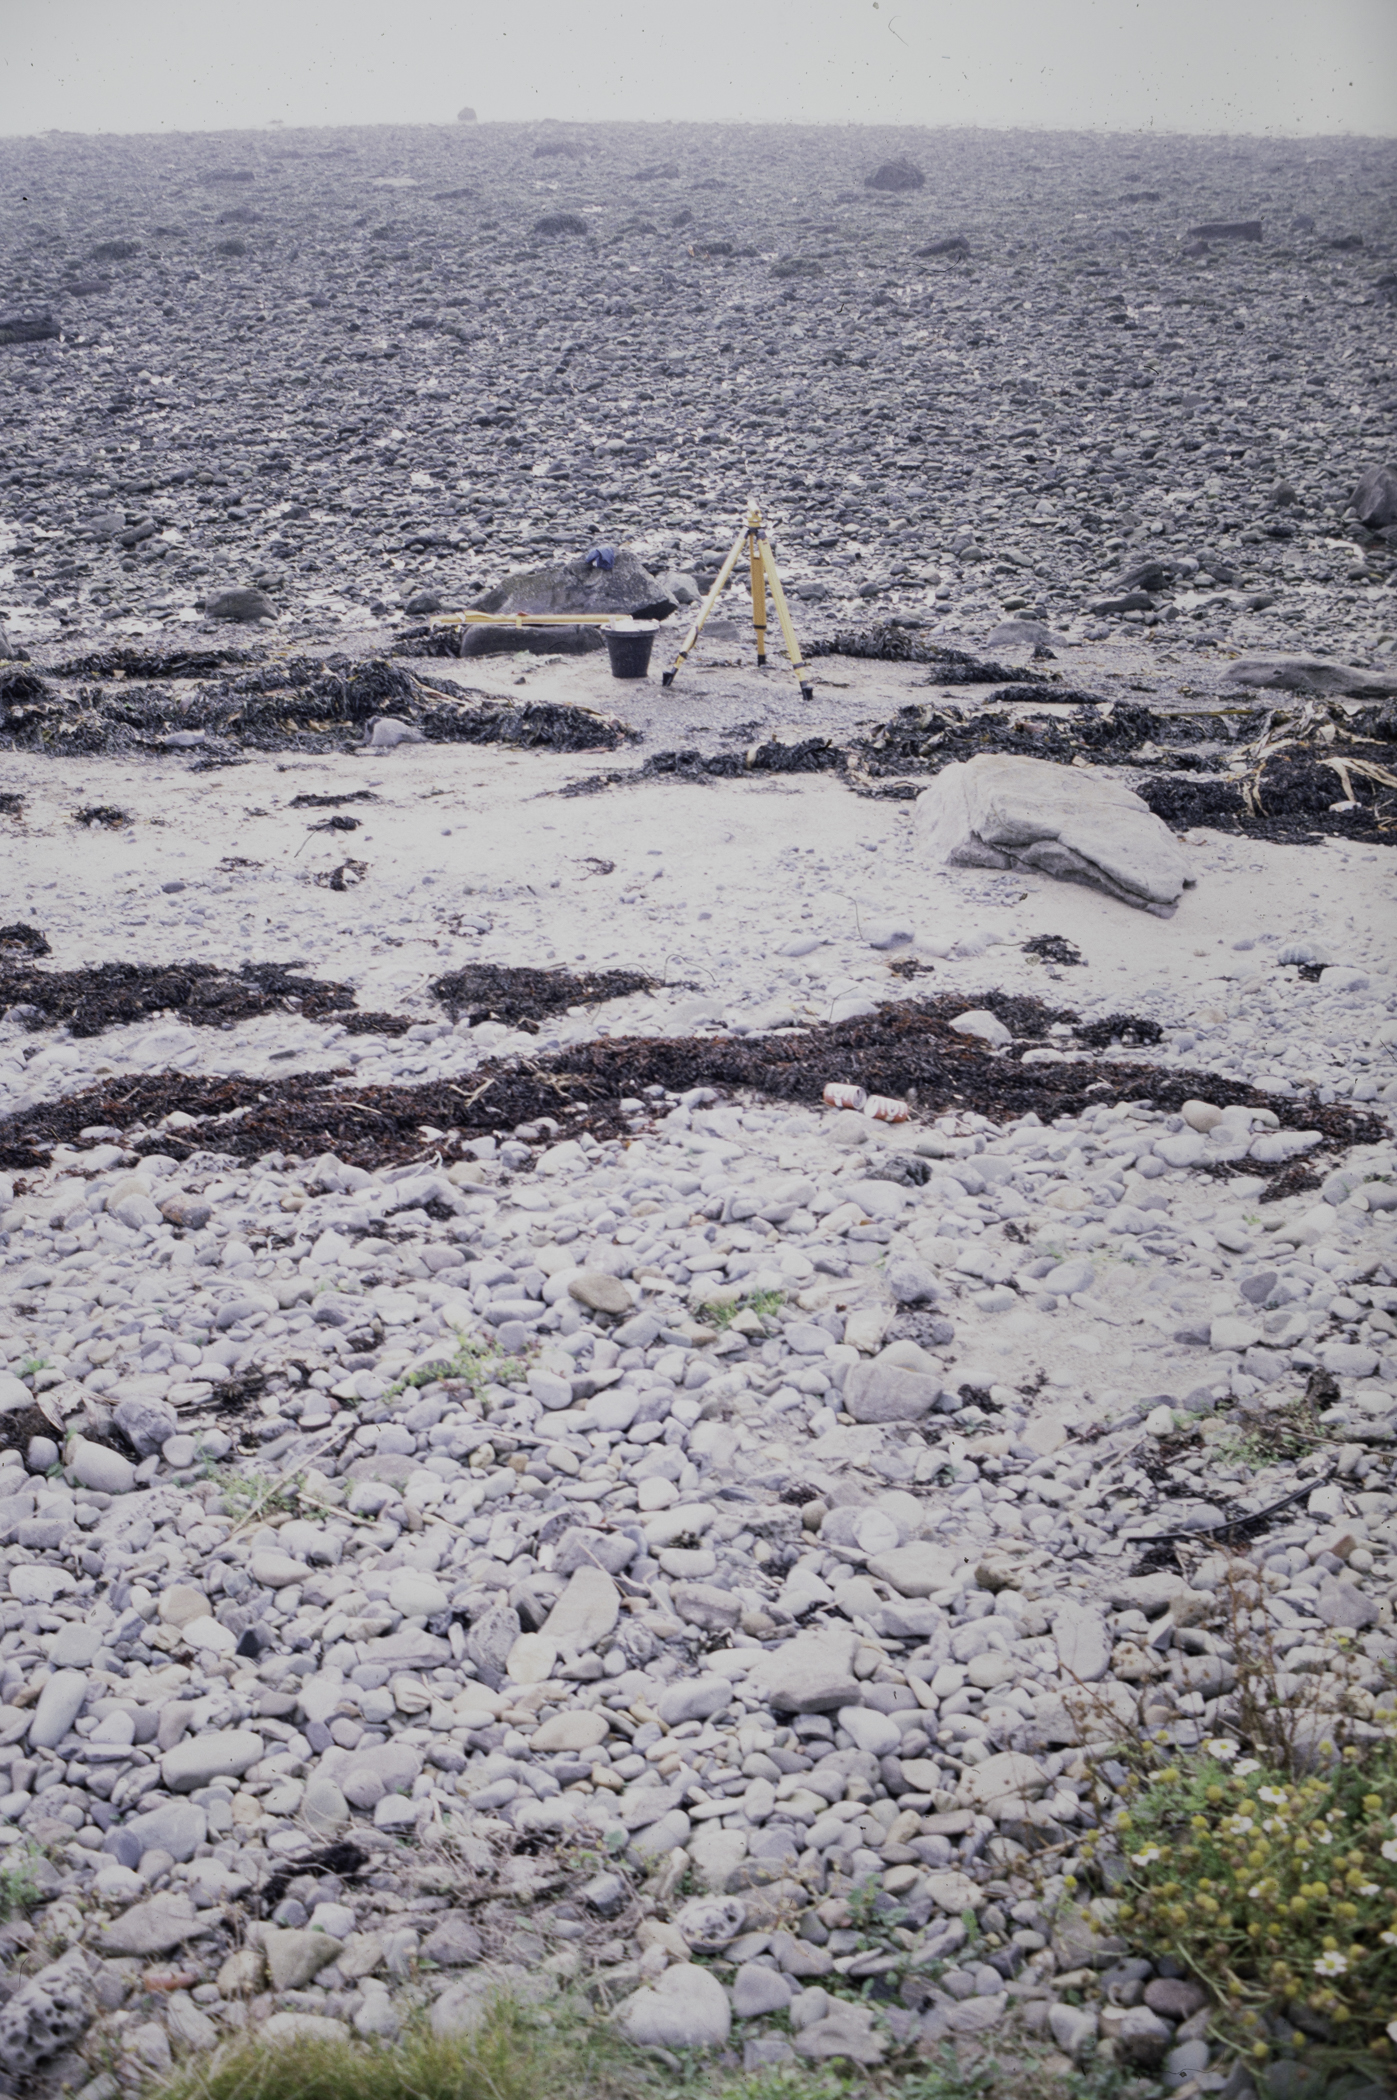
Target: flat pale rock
x,y
1003,1782
953,1892
847,2033
294,1957
157,1927
276,1570
881,1392
302,2027
917,1569
1071,822
600,1292
586,1612
813,1674
574,1729
1083,1643
532,1659
181,1603
224,1753
415,1595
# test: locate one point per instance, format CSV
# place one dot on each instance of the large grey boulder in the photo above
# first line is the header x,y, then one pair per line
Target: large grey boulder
x,y
1078,825
46,2014
563,587
1317,676
1374,501
685,2008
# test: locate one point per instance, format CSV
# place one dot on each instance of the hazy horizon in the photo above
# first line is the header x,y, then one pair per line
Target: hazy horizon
x,y
1277,68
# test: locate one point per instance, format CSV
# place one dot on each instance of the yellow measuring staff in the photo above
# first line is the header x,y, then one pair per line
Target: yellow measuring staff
x,y
764,576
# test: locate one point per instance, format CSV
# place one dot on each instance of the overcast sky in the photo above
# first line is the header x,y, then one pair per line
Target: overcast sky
x,y
1277,66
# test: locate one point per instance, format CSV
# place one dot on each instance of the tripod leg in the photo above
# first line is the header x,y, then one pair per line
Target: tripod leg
x,y
719,585
788,633
756,557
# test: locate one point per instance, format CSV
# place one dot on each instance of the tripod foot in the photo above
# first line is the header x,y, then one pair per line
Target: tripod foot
x,y
667,678
807,692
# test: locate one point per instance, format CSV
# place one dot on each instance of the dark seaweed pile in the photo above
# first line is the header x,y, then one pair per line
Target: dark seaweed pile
x,y
151,663
299,704
899,643
522,998
112,994
907,1050
1055,948
1292,799
27,939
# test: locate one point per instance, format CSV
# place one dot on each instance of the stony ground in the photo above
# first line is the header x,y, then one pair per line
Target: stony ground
x,y
694,1553
352,368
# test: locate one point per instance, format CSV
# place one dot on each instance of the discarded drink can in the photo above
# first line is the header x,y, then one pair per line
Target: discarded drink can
x,y
840,1095
884,1109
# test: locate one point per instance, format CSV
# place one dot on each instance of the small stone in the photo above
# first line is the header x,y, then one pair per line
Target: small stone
x,y
1074,2029
1175,1997
605,1894
848,2031
176,1827
955,1892
1344,1606
188,2026
917,1569
1185,2062
586,1612
222,1753
150,2045
60,1703
156,1927
1083,1643
1141,2037
811,1674
573,1729
148,1423
1002,1784
490,1642
983,1027
757,1990
693,1699
277,1571
701,1604
181,1603
685,2008
876,1733
323,1807
294,1957
415,1594
241,1973
881,1392
301,2027
95,1466
453,1943
599,1292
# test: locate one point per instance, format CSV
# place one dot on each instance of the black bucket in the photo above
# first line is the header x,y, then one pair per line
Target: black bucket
x,y
628,644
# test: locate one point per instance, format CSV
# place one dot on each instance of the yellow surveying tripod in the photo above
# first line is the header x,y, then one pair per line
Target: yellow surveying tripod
x,y
762,564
